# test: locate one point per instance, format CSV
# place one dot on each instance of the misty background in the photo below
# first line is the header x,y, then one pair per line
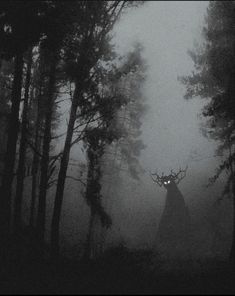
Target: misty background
x,y
171,133
117,155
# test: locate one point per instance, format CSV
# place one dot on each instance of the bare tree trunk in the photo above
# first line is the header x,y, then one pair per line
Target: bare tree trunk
x,y
35,167
37,147
46,151
22,152
8,172
232,251
62,176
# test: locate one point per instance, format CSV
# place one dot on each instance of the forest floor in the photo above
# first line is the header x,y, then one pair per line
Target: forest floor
x,y
119,271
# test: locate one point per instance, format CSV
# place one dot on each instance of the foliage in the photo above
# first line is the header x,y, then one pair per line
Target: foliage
x,y
214,80
72,56
21,25
130,78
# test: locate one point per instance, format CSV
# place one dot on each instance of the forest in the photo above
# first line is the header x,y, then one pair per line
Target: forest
x,y
96,193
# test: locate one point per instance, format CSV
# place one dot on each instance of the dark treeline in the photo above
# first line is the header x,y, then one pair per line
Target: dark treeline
x,y
50,52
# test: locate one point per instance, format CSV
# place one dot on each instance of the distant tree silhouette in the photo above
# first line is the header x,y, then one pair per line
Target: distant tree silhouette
x,y
214,79
20,28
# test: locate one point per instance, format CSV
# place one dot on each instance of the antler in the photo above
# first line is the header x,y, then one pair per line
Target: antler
x,y
177,177
158,179
180,175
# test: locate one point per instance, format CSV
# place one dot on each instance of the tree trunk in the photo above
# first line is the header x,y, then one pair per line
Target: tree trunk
x,y
8,172
46,151
62,176
37,146
89,239
232,251
22,152
35,167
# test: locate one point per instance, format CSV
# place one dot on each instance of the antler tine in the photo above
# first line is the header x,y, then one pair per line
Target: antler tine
x,y
157,179
183,174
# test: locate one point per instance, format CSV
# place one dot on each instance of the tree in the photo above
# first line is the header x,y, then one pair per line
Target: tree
x,y
5,93
129,119
67,56
46,146
105,102
61,17
122,86
214,79
20,28
22,149
88,47
36,117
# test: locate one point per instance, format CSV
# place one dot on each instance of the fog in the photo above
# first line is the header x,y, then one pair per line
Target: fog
x,y
170,131
117,147
171,127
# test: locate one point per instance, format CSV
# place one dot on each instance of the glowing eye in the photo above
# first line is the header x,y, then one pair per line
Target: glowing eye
x,y
165,182
169,182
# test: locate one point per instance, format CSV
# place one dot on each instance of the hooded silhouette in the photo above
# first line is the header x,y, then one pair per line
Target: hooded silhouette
x,y
173,235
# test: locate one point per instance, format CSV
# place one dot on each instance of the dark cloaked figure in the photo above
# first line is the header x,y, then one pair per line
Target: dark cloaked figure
x,y
173,235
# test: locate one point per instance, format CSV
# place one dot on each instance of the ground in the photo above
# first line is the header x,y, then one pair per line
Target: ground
x,y
119,271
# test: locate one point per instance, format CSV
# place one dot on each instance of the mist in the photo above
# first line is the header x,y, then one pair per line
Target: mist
x,y
107,178
171,127
170,131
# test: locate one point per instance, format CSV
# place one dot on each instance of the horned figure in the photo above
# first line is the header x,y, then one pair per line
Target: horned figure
x,y
173,236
